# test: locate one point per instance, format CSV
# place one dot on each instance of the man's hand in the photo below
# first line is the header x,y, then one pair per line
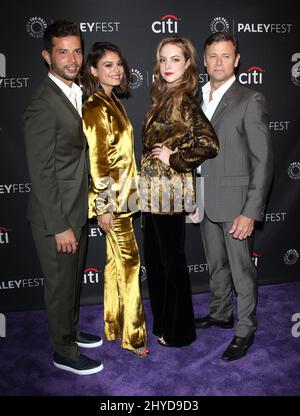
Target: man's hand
x,y
66,242
242,227
162,153
106,222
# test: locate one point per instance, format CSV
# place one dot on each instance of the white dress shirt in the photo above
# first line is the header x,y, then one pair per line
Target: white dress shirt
x,y
209,106
73,93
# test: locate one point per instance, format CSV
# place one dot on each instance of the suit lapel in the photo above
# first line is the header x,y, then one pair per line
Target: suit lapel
x,y
219,110
225,102
64,98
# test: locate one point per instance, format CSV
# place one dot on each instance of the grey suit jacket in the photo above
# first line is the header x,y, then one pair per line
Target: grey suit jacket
x,y
56,150
238,179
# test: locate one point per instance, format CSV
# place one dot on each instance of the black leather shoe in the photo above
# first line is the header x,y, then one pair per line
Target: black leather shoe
x,y
207,322
238,348
82,365
88,340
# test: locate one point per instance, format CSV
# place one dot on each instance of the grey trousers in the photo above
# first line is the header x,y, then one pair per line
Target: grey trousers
x,y
230,266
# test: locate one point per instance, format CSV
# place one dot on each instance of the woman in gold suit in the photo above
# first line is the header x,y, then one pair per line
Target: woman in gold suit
x,y
177,138
113,190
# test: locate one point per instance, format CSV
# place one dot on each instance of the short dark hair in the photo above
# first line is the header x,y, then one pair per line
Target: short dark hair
x,y
222,36
90,84
59,29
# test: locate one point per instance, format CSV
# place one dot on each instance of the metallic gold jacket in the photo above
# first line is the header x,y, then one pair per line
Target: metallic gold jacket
x,y
170,189
113,186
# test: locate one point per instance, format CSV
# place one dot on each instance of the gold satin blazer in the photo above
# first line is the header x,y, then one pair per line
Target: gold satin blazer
x,y
170,189
114,183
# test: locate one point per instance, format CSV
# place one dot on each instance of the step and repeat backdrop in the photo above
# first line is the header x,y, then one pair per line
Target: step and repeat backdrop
x,y
270,63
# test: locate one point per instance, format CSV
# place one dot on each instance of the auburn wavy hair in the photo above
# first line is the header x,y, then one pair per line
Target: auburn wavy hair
x,y
166,98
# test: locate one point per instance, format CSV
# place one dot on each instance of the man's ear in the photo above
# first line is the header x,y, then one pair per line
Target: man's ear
x,y
46,56
237,60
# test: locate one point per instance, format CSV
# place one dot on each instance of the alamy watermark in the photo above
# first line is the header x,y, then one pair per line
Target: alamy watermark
x,y
296,327
164,195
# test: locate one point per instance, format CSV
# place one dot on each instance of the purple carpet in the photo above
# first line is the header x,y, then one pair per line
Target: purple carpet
x,y
271,368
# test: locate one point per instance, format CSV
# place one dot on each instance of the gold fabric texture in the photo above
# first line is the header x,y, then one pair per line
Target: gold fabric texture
x,y
113,182
170,189
109,133
123,309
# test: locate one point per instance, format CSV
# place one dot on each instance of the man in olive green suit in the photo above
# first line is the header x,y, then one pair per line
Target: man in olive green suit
x,y
57,159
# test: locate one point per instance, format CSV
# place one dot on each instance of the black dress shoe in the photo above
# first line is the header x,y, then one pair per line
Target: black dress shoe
x,y
88,340
207,322
82,365
238,348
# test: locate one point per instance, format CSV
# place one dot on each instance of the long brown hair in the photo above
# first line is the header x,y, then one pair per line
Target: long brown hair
x,y
166,100
90,83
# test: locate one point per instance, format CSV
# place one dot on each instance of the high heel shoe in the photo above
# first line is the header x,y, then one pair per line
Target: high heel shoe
x,y
142,352
163,343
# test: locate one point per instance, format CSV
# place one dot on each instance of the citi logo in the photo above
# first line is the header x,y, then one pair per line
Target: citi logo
x,y
255,257
253,75
91,275
167,24
3,235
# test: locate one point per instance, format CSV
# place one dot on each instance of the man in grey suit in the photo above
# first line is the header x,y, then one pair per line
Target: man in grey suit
x,y
236,184
57,160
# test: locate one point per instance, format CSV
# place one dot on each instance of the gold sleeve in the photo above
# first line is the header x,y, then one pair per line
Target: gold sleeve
x,y
201,143
97,129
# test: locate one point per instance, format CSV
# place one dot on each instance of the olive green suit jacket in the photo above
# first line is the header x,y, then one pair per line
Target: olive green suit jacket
x,y
56,150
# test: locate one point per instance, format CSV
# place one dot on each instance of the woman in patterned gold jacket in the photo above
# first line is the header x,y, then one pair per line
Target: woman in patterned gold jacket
x,y
113,192
177,138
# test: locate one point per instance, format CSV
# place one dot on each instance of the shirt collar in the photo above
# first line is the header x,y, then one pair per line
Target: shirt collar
x,y
221,90
64,87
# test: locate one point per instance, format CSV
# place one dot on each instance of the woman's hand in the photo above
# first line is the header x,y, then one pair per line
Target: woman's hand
x,y
106,222
162,153
194,216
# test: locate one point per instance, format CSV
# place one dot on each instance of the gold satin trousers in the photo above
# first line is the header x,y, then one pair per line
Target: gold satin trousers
x,y
123,309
